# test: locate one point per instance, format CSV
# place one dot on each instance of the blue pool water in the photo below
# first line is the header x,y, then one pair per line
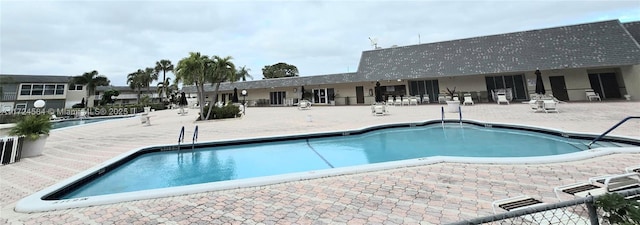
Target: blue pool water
x,y
160,169
76,122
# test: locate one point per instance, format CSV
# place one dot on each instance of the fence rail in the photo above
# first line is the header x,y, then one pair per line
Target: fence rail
x,y
576,211
11,149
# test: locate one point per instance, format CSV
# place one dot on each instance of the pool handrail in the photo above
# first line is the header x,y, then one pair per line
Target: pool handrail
x,y
460,112
442,110
611,129
195,137
181,137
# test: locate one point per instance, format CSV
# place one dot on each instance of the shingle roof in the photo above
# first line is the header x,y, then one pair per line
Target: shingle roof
x,y
282,82
586,45
14,78
634,29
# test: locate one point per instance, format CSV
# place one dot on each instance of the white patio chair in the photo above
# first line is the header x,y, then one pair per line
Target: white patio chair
x,y
502,99
592,95
468,100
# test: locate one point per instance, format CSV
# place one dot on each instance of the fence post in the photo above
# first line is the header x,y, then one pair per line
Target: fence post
x,y
593,214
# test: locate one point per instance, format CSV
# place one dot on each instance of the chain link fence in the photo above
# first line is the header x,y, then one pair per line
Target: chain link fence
x,y
576,211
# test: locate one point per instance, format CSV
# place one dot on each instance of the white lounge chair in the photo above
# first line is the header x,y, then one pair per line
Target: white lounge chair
x,y
600,185
553,216
398,101
550,106
379,109
405,101
425,99
502,99
304,104
592,95
413,101
468,100
390,101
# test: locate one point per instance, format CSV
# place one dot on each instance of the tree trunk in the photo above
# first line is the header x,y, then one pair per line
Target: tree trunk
x,y
164,86
215,99
200,88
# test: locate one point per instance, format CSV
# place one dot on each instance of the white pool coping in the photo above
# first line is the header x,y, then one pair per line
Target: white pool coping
x,y
34,202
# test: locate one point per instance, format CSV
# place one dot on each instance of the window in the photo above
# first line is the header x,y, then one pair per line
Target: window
x,y
37,89
49,89
78,87
59,89
25,89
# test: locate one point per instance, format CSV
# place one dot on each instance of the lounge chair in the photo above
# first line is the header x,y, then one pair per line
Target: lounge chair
x,y
468,100
633,169
425,99
550,106
600,185
379,109
413,100
502,99
405,101
592,95
398,101
554,216
390,101
304,104
54,117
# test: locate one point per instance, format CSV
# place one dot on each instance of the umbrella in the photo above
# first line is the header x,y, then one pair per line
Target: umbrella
x,y
82,102
378,92
235,95
539,84
302,92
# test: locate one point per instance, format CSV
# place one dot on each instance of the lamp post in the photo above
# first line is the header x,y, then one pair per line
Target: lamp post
x,y
244,104
113,100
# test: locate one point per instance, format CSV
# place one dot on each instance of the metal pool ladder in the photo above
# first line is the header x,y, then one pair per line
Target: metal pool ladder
x,y
195,138
180,137
611,129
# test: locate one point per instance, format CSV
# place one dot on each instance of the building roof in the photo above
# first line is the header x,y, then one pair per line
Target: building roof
x,y
282,82
14,78
634,29
597,44
125,89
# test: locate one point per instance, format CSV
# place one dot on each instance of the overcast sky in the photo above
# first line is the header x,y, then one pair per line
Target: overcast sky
x,y
319,37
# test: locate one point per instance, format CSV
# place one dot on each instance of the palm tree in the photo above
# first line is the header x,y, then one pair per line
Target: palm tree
x,y
164,66
191,70
163,87
135,81
91,80
243,74
220,70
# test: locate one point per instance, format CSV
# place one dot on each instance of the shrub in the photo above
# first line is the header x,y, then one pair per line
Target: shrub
x,y
618,209
227,111
32,126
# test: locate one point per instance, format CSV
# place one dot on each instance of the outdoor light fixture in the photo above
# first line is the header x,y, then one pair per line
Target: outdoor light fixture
x,y
244,105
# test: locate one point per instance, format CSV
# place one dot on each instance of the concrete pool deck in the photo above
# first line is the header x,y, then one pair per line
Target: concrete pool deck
x,y
430,194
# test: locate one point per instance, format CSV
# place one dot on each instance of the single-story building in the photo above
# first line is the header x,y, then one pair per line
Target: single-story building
x,y
602,56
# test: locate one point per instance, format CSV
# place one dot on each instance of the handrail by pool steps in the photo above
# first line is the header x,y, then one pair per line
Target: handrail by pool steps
x,y
611,129
181,137
442,116
195,137
460,112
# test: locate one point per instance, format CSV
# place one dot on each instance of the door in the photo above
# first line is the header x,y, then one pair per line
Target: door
x,y
605,84
359,95
559,88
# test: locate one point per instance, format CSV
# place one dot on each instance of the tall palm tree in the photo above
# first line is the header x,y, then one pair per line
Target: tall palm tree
x,y
91,80
243,74
135,81
220,70
191,71
164,66
163,87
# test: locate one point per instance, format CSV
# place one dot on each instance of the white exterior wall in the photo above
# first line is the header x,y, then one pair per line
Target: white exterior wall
x,y
631,76
74,97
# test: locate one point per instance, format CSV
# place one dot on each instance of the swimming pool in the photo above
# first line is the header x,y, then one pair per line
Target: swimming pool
x,y
241,163
75,122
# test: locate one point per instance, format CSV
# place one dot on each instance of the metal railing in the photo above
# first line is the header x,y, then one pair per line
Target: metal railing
x,y
611,129
195,138
11,149
576,211
180,137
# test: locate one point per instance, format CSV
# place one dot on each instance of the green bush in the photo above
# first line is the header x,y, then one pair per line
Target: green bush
x,y
32,126
227,111
618,209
